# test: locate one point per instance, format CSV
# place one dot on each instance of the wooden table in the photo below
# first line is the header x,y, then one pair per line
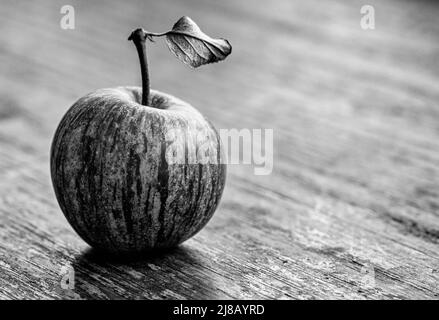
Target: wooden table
x,y
351,209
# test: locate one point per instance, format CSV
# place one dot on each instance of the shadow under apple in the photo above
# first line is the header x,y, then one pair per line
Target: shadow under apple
x,y
170,274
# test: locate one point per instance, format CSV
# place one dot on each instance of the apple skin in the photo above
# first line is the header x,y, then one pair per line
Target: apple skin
x,y
113,178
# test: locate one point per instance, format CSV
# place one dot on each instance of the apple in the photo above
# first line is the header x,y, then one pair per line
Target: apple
x,y
135,169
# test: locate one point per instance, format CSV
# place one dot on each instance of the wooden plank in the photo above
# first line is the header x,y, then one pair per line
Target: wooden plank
x,y
351,208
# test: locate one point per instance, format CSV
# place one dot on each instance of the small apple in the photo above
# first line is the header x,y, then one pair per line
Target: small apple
x,y
114,157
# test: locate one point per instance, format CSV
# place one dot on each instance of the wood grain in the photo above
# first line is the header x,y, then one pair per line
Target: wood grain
x,y
351,209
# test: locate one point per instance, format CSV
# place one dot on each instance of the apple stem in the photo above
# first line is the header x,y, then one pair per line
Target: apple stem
x,y
139,37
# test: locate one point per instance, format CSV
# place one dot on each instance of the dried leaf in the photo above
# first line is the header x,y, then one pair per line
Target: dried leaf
x,y
193,47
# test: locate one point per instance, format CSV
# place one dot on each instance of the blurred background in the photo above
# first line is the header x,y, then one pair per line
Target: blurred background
x,y
355,114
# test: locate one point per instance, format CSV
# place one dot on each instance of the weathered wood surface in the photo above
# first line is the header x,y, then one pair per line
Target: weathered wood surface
x,y
352,207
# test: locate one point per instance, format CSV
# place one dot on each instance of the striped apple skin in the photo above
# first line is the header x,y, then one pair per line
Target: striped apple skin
x,y
114,176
